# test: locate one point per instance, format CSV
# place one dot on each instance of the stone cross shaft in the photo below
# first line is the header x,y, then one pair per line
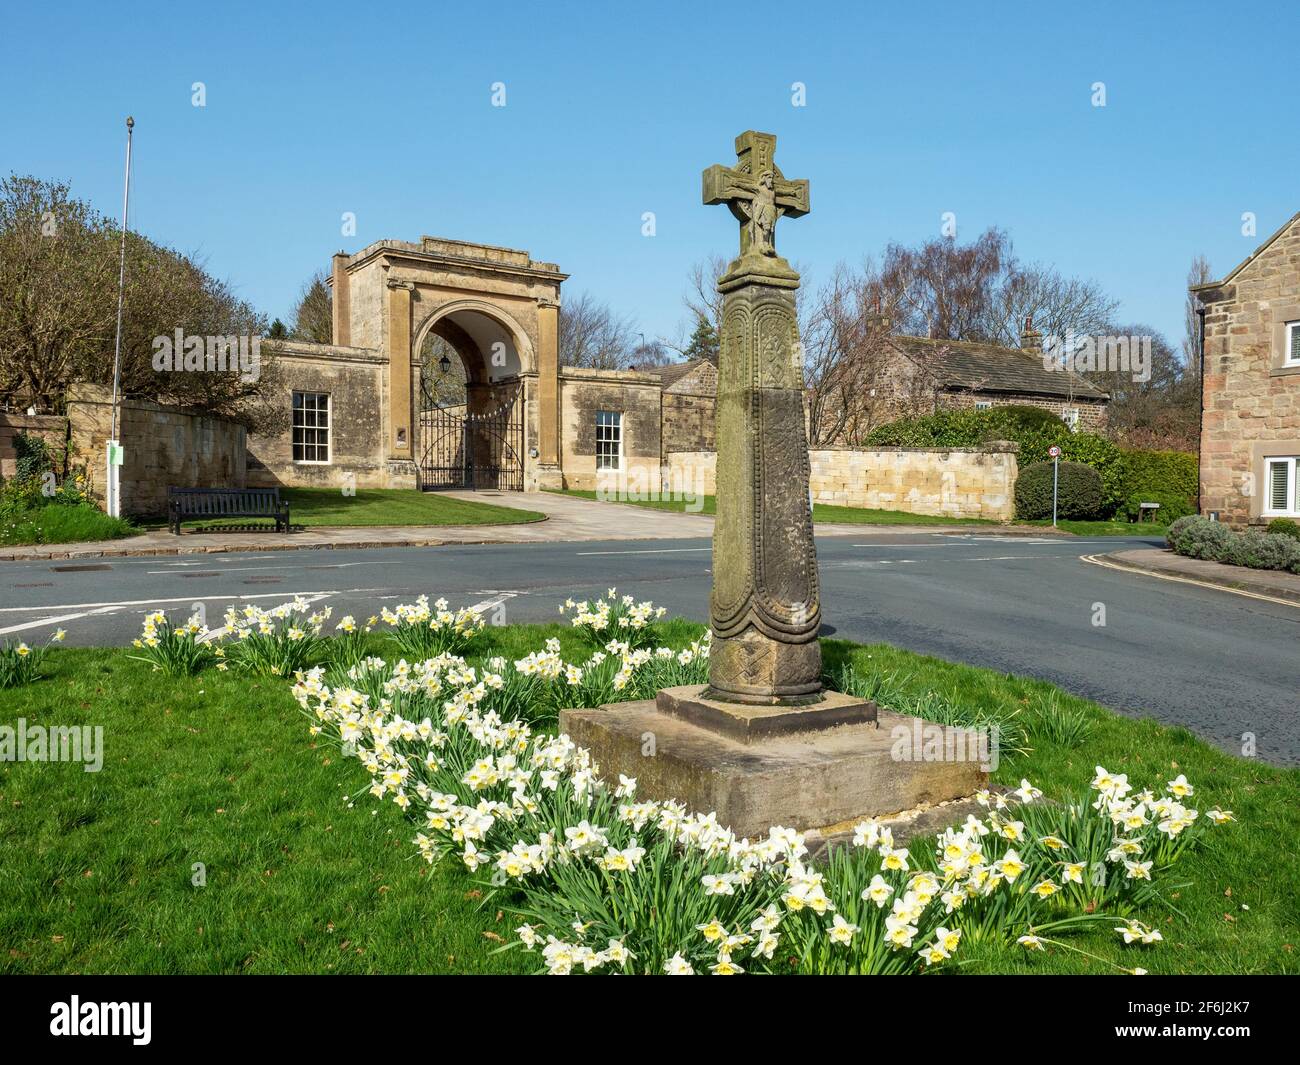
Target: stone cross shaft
x,y
765,605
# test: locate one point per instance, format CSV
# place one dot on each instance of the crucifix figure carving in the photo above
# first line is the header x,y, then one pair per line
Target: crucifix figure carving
x,y
756,192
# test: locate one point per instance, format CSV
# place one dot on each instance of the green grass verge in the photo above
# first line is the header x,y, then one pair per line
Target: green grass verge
x,y
220,769
1106,528
314,508
59,524
821,511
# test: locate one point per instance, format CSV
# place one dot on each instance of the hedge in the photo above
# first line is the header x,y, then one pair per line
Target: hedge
x,y
1198,537
1124,474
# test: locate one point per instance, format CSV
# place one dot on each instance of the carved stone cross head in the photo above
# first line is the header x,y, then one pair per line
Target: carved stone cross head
x,y
756,192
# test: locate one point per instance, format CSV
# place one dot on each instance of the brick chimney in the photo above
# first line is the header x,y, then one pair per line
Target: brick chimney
x,y
1030,338
341,299
878,321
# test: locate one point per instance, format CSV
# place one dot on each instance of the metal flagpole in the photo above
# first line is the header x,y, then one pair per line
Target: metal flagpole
x,y
113,455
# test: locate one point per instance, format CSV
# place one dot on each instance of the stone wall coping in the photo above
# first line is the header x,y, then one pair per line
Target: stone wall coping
x,y
95,395
16,420
622,377
995,447
305,349
405,249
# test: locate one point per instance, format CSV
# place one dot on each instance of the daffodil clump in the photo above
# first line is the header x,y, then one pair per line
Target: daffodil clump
x,y
603,882
20,663
421,631
280,641
177,650
615,618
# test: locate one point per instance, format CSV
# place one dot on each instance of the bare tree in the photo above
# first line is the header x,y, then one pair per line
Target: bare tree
x,y
313,319
855,376
592,335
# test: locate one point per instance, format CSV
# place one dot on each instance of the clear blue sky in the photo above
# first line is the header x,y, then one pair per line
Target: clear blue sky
x,y
614,109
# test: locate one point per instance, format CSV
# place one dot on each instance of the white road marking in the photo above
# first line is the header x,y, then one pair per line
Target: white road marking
x,y
122,604
487,604
655,551
1098,561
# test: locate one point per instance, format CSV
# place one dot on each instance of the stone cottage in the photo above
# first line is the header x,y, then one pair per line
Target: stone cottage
x,y
1250,385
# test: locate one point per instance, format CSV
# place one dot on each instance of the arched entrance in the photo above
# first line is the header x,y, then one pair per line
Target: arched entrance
x,y
497,311
472,400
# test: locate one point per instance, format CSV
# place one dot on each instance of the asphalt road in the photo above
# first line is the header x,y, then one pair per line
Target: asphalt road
x,y
1221,664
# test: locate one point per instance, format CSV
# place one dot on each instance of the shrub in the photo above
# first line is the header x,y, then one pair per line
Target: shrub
x,y
1261,551
1198,537
1079,492
1284,527
1202,538
1172,507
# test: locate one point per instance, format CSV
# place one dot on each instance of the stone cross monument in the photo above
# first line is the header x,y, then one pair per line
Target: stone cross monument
x,y
763,743
765,605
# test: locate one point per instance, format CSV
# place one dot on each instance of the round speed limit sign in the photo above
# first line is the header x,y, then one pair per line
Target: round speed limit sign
x,y
1054,451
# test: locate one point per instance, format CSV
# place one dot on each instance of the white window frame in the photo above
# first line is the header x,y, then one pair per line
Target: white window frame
x,y
1267,510
609,429
327,428
983,404
1072,416
1290,339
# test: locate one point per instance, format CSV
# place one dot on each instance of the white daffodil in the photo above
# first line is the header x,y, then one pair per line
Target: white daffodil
x,y
841,931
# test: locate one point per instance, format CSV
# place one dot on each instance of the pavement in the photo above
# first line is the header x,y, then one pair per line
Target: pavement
x,y
1161,562
1215,661
569,519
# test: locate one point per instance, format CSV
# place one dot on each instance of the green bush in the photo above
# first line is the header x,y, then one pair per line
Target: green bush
x,y
1259,550
1079,492
1172,507
1284,527
1162,473
1198,537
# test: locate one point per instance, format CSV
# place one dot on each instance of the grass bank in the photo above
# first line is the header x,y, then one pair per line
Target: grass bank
x,y
56,523
215,779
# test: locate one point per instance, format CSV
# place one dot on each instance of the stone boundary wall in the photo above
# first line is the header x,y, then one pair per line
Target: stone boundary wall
x,y
164,446
52,427
943,482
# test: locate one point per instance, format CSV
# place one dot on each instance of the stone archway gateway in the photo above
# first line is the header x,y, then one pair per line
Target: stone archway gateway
x,y
497,309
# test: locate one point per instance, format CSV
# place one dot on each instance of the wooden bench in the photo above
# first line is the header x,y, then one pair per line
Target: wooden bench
x,y
206,504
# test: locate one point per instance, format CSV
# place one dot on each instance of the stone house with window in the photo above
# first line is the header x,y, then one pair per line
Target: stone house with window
x,y
1250,385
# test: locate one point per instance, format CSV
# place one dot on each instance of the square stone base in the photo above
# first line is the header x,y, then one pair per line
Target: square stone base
x,y
750,723
802,780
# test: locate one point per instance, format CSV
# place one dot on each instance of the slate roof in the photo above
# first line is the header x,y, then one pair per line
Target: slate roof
x,y
675,371
964,365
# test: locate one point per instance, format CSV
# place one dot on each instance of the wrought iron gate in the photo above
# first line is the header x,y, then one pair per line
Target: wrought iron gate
x,y
463,450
